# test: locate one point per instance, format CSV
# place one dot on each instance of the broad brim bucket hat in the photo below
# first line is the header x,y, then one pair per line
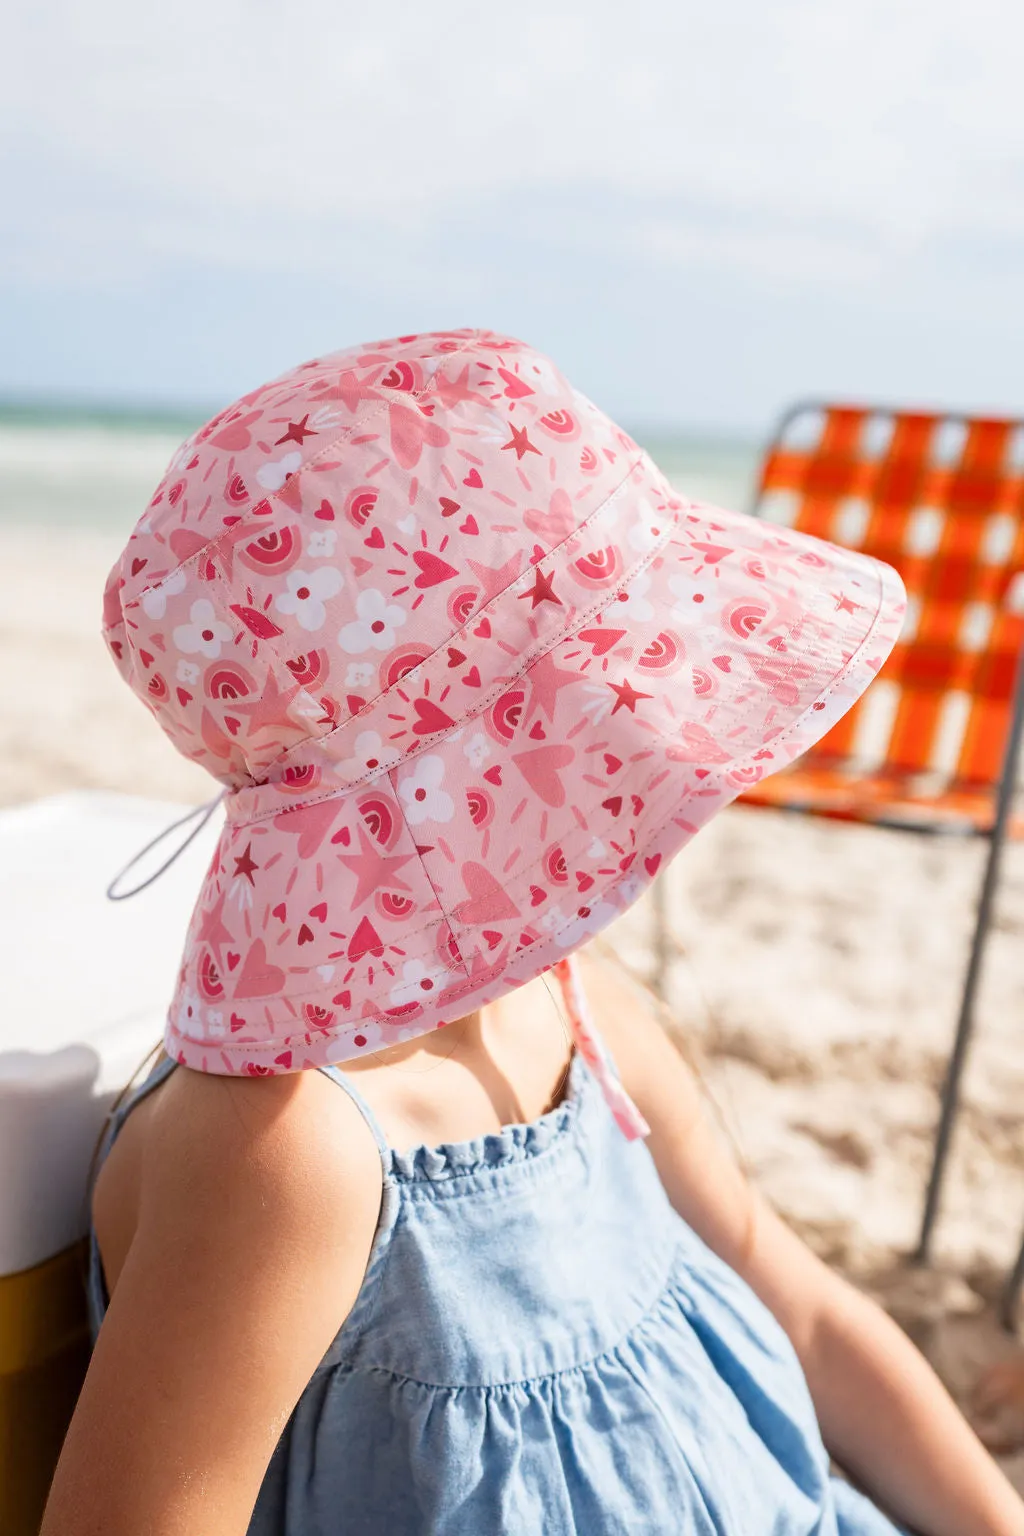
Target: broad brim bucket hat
x,y
471,672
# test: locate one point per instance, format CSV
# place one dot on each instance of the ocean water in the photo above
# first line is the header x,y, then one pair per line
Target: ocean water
x,y
74,467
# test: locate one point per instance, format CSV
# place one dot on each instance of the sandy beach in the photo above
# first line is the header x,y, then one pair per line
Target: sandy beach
x,y
814,971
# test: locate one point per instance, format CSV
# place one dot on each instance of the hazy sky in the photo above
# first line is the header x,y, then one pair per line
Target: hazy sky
x,y
699,211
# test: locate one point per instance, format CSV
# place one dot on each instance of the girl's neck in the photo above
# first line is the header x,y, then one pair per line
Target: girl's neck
x,y
506,1063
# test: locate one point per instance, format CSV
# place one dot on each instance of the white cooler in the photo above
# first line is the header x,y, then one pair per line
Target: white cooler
x,y
84,983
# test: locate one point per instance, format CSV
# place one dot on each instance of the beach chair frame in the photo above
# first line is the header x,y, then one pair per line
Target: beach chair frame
x,y
1003,790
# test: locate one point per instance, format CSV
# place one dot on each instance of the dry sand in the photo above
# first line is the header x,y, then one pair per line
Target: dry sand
x,y
814,966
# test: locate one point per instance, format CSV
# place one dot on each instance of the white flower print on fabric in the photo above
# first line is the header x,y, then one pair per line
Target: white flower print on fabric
x,y
369,1036
632,606
273,474
371,753
685,590
192,1008
588,920
154,602
423,799
375,624
321,542
641,535
418,982
306,593
360,674
477,749
187,673
204,633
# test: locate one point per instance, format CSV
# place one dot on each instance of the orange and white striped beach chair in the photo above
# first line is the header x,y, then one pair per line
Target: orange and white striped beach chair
x,y
934,744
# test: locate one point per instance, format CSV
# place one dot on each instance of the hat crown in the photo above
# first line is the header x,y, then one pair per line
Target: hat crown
x,y
334,530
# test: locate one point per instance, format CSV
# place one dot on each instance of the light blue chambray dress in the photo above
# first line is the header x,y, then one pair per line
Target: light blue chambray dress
x,y
540,1347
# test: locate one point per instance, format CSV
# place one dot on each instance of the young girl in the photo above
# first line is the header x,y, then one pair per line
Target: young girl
x,y
470,673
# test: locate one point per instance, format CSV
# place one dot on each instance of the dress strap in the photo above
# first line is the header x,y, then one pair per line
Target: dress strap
x,y
157,1073
344,1081
96,1286
595,1053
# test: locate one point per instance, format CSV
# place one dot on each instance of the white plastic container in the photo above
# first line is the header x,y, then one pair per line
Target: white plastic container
x,y
84,984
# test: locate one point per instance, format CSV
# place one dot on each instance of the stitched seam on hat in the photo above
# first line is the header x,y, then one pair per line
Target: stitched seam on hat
x,y
231,534
426,875
412,675
406,936
716,775
568,630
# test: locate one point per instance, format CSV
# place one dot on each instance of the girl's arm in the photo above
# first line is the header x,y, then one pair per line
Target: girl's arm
x,y
258,1204
883,1412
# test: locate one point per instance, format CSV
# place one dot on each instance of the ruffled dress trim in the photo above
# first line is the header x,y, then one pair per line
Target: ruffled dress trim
x,y
515,1143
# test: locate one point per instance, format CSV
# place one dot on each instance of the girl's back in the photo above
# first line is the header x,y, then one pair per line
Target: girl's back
x,y
529,1295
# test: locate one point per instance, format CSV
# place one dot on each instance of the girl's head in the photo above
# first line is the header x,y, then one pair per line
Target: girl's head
x,y
470,671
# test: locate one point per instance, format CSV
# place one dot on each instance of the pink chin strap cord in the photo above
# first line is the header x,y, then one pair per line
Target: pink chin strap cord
x,y
590,1046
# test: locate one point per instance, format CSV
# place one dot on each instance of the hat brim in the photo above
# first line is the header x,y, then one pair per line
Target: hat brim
x,y
367,916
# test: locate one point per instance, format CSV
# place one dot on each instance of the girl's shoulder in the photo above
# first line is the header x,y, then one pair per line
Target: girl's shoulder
x,y
273,1161
256,1204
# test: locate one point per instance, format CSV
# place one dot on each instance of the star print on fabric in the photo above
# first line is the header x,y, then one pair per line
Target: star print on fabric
x,y
520,442
845,604
297,432
271,708
211,929
626,696
351,390
545,680
246,866
495,578
374,869
542,591
452,392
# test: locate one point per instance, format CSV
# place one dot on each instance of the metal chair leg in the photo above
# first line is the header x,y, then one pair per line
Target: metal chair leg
x,y
965,1024
1010,1301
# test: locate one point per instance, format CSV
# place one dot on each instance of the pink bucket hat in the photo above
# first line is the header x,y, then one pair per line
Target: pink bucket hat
x,y
470,670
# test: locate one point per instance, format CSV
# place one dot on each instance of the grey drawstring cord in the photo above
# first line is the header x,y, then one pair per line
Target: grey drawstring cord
x,y
203,812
